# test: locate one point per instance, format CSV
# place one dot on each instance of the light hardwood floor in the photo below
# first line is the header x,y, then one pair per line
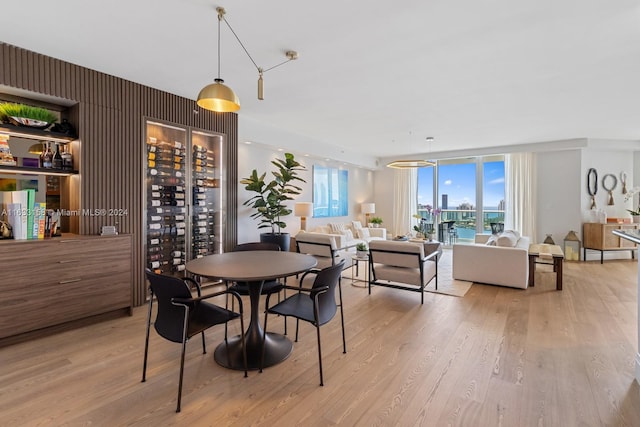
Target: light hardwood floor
x,y
497,357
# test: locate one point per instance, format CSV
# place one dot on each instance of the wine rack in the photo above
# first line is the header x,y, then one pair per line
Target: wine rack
x,y
184,200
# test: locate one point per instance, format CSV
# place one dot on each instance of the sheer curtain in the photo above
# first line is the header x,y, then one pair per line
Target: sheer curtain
x,y
405,203
521,195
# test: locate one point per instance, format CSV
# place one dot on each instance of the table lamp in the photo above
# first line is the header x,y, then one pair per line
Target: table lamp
x,y
367,209
303,210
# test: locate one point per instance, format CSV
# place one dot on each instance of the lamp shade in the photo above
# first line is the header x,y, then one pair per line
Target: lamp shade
x,y
303,209
218,97
368,208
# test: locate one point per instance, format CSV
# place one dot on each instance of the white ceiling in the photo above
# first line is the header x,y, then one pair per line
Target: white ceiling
x,y
372,77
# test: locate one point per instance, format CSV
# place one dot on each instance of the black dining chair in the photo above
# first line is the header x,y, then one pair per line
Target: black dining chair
x,y
269,286
181,316
316,305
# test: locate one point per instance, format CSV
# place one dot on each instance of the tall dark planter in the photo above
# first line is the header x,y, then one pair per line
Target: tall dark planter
x,y
281,239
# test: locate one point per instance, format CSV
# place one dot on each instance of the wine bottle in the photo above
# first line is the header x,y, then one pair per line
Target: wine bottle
x,y
56,162
67,159
41,157
47,160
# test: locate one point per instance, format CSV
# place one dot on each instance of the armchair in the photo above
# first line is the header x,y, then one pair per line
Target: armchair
x,y
402,265
322,247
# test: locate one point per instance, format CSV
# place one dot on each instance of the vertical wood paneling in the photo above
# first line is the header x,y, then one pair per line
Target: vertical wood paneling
x,y
109,118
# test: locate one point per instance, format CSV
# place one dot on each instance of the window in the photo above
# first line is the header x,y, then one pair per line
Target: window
x,y
330,192
465,190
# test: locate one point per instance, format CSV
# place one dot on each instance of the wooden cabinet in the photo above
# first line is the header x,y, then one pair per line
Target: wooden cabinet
x,y
60,280
599,237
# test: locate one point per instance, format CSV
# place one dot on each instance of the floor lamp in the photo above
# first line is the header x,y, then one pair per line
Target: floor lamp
x,y
367,209
303,210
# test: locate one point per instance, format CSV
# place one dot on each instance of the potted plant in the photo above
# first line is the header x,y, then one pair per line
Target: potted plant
x,y
376,221
362,250
26,115
635,214
270,198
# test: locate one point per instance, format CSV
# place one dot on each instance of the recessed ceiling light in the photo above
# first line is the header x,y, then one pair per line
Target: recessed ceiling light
x,y
248,142
430,139
280,149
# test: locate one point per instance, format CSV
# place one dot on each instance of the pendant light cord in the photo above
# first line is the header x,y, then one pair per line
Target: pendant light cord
x,y
260,70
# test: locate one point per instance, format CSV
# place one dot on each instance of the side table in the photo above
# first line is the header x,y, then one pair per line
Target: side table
x,y
355,265
550,252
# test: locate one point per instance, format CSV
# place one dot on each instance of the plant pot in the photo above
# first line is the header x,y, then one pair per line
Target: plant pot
x,y
281,239
362,254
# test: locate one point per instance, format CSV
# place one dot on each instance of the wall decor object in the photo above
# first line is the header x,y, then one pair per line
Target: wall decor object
x,y
609,183
623,181
330,192
592,186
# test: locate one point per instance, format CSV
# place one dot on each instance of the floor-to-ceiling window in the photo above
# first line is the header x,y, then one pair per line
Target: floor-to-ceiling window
x,y
469,194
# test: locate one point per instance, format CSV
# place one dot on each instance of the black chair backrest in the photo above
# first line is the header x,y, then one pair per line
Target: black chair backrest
x,y
256,246
170,318
327,305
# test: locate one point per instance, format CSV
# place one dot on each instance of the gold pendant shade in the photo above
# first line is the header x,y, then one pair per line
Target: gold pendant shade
x,y
218,97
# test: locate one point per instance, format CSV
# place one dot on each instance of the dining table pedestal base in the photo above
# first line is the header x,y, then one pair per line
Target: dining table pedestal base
x,y
229,353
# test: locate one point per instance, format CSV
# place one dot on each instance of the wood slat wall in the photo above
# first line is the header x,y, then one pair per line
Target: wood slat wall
x,y
110,115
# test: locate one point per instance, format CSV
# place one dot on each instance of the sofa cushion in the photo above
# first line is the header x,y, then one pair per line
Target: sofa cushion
x,y
324,229
356,225
492,240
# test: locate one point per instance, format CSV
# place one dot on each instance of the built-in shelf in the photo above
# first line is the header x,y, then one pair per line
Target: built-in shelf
x,y
36,171
34,133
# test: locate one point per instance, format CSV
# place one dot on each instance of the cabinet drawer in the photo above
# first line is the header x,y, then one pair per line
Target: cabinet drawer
x,y
55,302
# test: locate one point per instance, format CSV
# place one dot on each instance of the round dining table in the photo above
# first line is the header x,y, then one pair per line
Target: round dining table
x,y
254,268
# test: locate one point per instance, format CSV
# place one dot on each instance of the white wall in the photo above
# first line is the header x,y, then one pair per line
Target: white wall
x,y
259,157
559,195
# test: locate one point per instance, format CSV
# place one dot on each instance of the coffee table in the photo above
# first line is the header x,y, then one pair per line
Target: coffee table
x,y
550,252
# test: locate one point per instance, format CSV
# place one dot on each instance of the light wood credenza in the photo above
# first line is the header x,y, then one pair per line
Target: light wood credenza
x,y
600,237
53,282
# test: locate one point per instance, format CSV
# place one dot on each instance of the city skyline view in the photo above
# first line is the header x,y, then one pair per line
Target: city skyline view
x,y
458,182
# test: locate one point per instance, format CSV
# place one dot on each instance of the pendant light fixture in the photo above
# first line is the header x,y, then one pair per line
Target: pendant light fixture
x,y
407,164
219,97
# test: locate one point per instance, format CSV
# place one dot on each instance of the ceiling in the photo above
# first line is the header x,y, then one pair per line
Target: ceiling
x,y
372,77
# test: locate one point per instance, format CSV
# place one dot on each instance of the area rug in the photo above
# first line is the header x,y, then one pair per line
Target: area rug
x,y
446,284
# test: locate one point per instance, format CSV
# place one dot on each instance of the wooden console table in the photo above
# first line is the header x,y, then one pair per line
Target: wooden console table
x,y
600,237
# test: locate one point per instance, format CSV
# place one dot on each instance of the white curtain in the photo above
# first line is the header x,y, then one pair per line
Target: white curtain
x,y
521,195
405,203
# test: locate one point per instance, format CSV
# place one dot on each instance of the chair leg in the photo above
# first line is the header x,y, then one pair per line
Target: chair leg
x,y
244,344
264,338
344,341
204,346
146,341
184,345
319,354
297,325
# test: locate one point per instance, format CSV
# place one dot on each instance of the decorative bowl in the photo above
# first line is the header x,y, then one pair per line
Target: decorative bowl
x,y
30,122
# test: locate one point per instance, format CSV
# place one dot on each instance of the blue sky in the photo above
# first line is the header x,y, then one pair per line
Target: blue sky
x,y
458,182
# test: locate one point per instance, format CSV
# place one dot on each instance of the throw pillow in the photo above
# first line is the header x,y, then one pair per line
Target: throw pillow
x,y
363,233
323,229
336,227
492,240
507,239
357,225
347,234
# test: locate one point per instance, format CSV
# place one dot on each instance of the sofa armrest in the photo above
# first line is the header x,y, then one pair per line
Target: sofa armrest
x,y
378,232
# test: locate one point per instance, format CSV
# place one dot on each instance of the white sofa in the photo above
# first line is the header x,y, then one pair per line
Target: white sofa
x,y
495,265
347,235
